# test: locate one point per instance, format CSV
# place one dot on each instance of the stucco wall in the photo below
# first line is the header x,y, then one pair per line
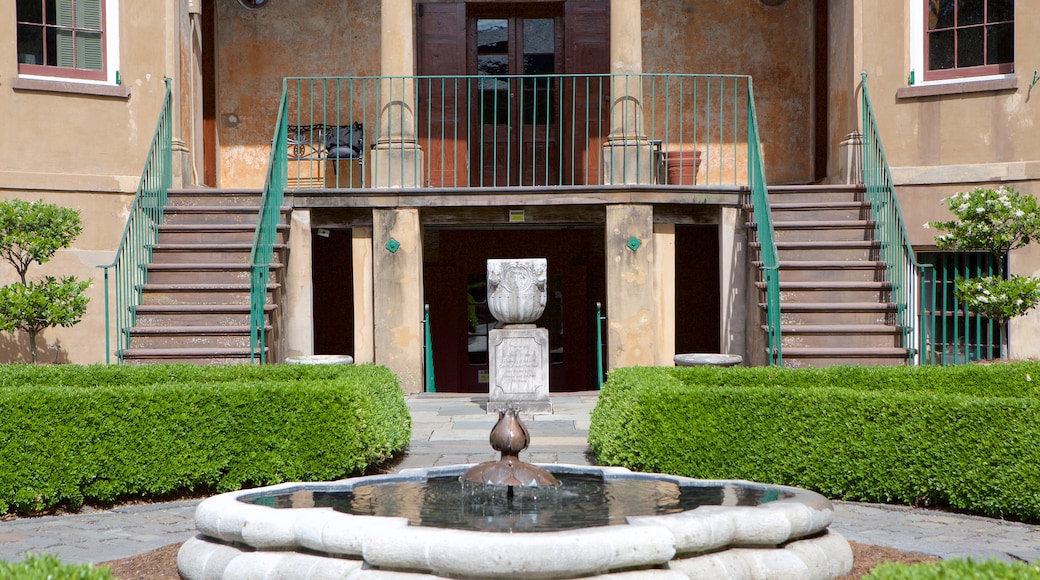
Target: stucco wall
x,y
941,144
772,44
256,49
85,152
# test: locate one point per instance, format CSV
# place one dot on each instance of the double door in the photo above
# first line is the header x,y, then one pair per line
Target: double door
x,y
521,117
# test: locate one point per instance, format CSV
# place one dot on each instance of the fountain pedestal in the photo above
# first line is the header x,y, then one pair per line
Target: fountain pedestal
x,y
518,353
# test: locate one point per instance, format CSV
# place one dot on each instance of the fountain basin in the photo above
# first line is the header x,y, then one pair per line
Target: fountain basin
x,y
784,538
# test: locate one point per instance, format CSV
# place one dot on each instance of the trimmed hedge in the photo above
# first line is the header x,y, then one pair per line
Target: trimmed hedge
x,y
966,437
49,567
957,569
72,434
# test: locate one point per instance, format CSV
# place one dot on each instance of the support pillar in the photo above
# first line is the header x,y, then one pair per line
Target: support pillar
x,y
664,292
630,285
361,252
397,289
628,156
299,288
737,301
397,160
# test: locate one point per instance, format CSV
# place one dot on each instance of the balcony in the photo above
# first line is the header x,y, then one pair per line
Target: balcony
x,y
538,136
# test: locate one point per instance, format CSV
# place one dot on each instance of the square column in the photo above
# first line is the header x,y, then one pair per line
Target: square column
x,y
396,160
397,290
630,285
361,254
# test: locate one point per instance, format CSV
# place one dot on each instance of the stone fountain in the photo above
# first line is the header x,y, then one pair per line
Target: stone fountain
x,y
502,519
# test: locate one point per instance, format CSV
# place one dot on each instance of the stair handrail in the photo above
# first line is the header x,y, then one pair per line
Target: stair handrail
x,y
129,267
902,269
762,215
262,254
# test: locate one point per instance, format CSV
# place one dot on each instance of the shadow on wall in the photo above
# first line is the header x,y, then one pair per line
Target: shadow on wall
x,y
14,348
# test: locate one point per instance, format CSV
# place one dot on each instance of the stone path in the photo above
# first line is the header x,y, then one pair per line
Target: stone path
x,y
452,429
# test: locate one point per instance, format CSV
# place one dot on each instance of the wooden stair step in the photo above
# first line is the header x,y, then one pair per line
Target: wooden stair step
x,y
817,205
827,264
197,308
830,285
835,306
821,224
828,188
239,287
837,329
823,245
184,353
207,266
193,330
838,352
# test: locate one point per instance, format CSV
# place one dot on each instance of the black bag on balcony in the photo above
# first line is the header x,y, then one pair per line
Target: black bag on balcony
x,y
346,142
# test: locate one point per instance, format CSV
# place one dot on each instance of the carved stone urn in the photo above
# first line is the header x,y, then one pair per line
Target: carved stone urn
x,y
516,289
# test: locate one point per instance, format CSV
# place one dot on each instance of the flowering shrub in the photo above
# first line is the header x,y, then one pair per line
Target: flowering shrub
x,y
996,221
997,298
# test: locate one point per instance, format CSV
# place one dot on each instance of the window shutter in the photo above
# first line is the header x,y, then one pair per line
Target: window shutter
x,y
65,42
90,52
88,14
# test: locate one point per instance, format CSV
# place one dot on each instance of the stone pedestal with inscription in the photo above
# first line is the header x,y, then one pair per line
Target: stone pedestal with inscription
x,y
519,357
519,352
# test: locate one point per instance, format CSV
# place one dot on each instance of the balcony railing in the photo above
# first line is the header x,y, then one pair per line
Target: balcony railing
x,y
517,131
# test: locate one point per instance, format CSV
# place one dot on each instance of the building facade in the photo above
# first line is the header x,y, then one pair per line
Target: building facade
x,y
82,89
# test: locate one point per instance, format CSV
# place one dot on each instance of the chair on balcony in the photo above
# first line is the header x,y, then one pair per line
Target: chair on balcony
x,y
344,153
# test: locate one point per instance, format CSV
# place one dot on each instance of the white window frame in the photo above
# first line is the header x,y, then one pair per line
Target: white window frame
x,y
918,58
111,36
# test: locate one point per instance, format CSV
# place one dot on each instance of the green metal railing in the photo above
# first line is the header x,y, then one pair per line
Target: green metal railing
x,y
958,335
762,216
261,256
517,131
903,271
129,269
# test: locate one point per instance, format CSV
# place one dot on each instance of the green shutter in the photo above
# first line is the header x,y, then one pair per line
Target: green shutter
x,y
65,43
81,45
88,14
89,51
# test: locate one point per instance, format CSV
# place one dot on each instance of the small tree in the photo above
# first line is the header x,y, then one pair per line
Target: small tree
x,y
995,221
33,232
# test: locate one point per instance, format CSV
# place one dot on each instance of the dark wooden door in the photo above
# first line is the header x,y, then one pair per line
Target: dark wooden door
x,y
521,130
512,52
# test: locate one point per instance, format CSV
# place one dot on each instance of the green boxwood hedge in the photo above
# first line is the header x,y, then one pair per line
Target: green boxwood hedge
x,y
957,569
71,434
966,437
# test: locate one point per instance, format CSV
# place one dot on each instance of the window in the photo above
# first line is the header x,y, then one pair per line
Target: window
x,y
62,38
967,38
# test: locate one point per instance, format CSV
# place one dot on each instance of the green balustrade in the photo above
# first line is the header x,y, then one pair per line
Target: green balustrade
x,y
903,271
261,256
128,271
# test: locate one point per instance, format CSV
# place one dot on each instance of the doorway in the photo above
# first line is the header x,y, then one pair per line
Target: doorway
x,y
489,120
455,280
512,49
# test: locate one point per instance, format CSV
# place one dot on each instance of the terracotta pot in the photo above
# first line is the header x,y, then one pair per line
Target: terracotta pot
x,y
682,166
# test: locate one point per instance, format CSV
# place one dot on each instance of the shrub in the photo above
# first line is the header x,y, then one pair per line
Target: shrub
x,y
33,232
964,437
101,433
957,569
49,567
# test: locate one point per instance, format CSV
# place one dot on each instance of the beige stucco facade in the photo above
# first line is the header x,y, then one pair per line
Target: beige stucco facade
x,y
83,146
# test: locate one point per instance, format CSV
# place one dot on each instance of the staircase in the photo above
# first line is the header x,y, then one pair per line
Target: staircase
x,y
195,307
835,305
